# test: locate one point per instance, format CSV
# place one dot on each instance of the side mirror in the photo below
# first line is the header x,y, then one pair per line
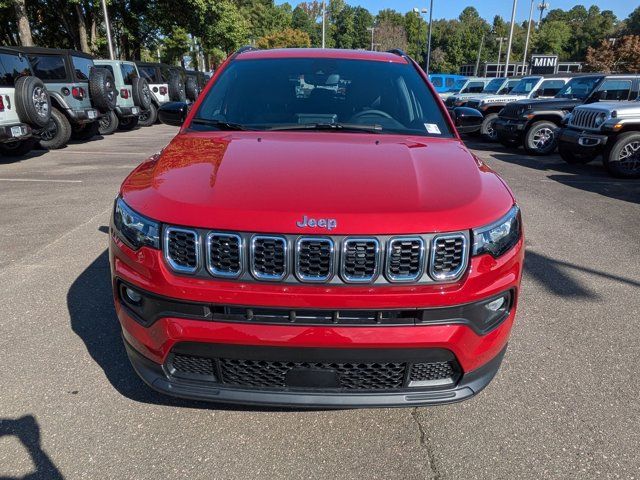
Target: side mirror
x,y
173,113
467,120
536,94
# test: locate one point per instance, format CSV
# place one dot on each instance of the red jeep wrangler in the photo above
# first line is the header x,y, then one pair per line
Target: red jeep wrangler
x,y
316,235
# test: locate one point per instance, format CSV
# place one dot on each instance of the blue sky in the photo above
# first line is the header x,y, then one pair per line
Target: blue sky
x,y
489,8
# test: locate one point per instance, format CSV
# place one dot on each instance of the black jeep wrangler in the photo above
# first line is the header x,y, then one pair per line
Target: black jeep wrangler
x,y
535,123
80,93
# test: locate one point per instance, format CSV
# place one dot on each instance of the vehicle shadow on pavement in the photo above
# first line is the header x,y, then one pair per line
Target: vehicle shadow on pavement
x,y
4,160
27,431
555,277
94,320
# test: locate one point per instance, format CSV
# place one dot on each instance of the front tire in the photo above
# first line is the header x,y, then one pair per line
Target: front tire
x,y
541,138
575,158
17,148
148,118
488,130
622,160
57,133
108,123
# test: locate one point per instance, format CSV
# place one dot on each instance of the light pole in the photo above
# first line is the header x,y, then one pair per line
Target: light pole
x,y
107,26
475,72
500,39
513,21
372,30
526,43
542,7
324,16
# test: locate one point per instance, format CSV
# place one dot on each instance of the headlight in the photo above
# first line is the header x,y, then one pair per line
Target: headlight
x,y
134,229
600,119
499,237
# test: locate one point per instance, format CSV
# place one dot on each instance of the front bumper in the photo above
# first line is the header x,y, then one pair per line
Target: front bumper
x,y
509,128
17,131
151,344
127,112
582,140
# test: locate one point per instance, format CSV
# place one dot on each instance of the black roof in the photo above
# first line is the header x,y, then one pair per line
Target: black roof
x,y
54,51
152,64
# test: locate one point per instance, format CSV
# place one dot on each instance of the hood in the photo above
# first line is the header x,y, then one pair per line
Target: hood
x,y
267,182
501,98
623,108
549,103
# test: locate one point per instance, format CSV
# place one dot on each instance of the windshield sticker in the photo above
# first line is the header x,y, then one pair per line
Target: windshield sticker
x,y
432,128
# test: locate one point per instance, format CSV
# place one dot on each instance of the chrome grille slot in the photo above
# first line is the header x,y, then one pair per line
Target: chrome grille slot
x,y
269,257
448,256
314,259
224,254
405,259
360,260
585,118
182,249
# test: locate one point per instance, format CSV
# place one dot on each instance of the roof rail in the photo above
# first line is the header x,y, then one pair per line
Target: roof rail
x,y
397,51
246,48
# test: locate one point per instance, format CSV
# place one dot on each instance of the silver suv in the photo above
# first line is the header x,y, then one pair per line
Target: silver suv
x,y
608,129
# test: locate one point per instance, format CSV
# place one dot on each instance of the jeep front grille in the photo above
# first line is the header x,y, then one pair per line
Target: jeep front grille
x,y
326,259
450,101
473,104
360,260
585,118
510,110
447,256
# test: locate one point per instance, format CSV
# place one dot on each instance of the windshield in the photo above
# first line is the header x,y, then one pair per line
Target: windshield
x,y
525,86
473,87
494,85
510,86
301,94
82,68
578,88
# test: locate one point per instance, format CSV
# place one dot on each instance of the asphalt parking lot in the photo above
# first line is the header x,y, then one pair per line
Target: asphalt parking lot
x,y
564,405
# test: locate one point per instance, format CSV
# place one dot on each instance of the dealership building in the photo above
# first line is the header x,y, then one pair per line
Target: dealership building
x,y
539,64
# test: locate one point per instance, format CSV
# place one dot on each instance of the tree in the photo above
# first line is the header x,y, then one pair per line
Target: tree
x,y
632,26
622,56
416,29
287,38
554,37
389,35
362,21
345,32
24,30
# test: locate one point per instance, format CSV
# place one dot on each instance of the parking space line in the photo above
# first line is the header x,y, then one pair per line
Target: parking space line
x,y
118,154
38,180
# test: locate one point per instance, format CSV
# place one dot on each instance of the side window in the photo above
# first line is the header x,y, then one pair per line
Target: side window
x,y
449,82
48,67
82,68
436,81
550,88
128,73
149,73
615,89
11,68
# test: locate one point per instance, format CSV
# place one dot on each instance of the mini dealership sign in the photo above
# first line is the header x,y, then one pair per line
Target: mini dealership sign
x,y
544,64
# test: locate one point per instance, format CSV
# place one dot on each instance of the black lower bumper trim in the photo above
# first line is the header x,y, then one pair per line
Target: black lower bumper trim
x,y
469,385
18,131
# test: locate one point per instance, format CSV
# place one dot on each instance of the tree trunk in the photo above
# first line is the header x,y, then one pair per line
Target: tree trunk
x,y
24,30
94,34
82,30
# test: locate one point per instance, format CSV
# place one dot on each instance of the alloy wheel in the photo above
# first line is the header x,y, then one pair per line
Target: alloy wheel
x,y
543,138
629,156
50,131
41,102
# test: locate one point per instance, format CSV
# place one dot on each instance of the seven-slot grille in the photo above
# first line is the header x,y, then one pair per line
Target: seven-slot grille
x,y
360,260
584,118
510,110
289,258
364,376
182,249
269,257
405,259
473,103
314,259
447,256
224,254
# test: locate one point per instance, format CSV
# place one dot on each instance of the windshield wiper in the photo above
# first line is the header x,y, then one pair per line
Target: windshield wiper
x,y
219,124
331,126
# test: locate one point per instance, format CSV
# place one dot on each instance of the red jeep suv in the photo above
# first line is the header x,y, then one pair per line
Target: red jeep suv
x,y
316,235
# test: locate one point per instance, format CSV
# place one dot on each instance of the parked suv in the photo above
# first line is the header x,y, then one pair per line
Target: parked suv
x,y
528,87
445,82
134,96
166,84
24,104
608,129
80,93
308,247
536,123
497,86
470,85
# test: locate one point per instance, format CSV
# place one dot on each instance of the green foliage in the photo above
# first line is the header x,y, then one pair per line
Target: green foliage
x,y
287,38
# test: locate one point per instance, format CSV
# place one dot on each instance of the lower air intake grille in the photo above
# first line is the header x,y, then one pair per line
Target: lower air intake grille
x,y
360,259
421,372
181,249
269,257
447,256
185,365
405,259
314,259
225,254
352,376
